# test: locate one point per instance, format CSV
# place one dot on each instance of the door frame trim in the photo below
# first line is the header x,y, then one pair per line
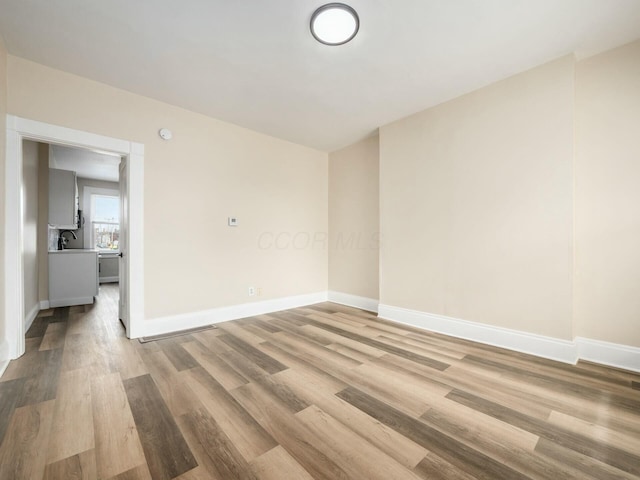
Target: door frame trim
x,y
19,129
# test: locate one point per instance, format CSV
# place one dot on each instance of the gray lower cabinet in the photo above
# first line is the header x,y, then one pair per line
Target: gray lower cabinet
x,y
109,268
73,277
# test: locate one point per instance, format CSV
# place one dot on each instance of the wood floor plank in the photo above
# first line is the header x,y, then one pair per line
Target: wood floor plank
x,y
628,404
291,316
42,384
312,352
432,467
177,395
25,366
278,391
180,358
198,473
141,472
249,437
493,445
335,338
620,440
265,362
38,328
584,466
294,437
10,393
277,464
608,454
81,350
216,367
329,382
353,453
118,446
404,451
265,325
236,329
81,466
24,448
453,451
417,348
429,362
126,358
351,352
54,336
166,451
316,335
72,407
213,448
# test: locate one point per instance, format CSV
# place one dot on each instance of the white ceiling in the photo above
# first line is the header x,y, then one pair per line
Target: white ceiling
x,y
254,62
86,163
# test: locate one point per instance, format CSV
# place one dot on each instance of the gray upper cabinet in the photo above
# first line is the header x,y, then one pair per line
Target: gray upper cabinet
x,y
63,199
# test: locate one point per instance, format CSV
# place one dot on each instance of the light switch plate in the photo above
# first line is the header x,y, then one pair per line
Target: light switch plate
x,y
233,221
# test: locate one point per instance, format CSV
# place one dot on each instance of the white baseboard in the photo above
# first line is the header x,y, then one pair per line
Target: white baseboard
x,y
4,356
364,303
69,302
109,279
31,316
174,323
612,354
541,346
44,305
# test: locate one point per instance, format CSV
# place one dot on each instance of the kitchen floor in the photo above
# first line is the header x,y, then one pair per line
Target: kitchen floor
x,y
323,392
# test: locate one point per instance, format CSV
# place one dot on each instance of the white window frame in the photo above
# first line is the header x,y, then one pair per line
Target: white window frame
x,y
86,212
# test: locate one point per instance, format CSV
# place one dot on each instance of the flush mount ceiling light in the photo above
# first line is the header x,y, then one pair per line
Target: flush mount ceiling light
x,y
334,24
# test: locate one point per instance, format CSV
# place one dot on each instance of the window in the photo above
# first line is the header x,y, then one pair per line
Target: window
x,y
105,222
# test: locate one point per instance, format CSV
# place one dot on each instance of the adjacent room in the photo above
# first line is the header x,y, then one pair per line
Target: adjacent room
x,y
307,240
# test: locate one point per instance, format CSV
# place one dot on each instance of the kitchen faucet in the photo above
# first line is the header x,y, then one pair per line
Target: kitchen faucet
x,y
63,241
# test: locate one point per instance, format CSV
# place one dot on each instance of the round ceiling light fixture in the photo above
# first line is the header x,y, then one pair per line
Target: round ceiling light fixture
x,y
334,24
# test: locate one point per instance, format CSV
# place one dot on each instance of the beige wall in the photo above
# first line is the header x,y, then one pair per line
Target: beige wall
x,y
209,171
3,128
354,219
30,167
43,221
476,205
607,220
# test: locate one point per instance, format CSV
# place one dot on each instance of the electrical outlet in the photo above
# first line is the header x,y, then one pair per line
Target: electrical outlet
x,y
259,291
252,291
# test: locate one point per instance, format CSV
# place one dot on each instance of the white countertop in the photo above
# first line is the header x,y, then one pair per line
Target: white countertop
x,y
75,250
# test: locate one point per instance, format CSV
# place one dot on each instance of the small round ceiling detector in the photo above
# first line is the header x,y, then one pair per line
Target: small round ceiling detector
x,y
165,134
334,24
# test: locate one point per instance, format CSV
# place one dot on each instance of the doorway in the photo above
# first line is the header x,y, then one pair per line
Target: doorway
x,y
132,273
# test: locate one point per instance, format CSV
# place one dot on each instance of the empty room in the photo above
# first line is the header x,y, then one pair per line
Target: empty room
x,y
293,239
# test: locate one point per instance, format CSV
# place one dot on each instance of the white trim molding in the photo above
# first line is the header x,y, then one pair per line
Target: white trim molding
x,y
566,351
539,345
44,305
364,303
612,354
176,323
19,129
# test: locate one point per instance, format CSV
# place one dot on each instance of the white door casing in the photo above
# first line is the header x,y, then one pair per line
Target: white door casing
x,y
19,129
123,311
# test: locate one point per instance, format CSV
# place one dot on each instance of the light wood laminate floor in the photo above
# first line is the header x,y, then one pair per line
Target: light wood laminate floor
x,y
324,392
